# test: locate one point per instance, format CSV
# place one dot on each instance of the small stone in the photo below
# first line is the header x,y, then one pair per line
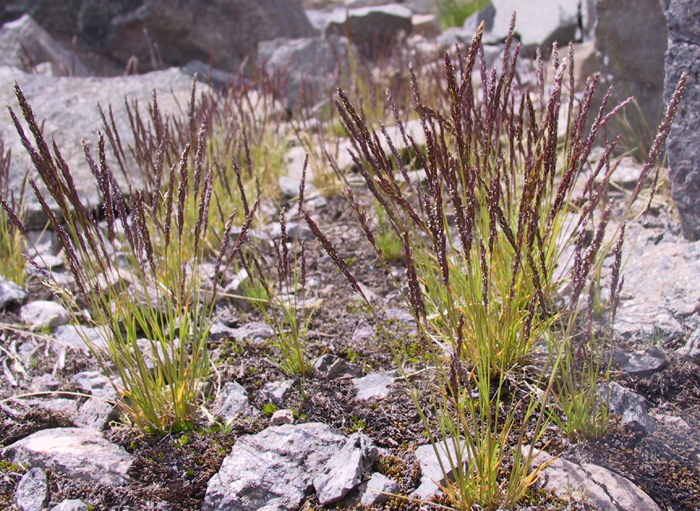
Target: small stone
x,y
95,413
71,336
219,331
399,315
44,314
10,293
691,350
641,363
44,383
71,505
345,469
378,490
46,261
631,406
363,333
76,453
60,405
232,402
33,491
374,385
432,473
277,392
329,367
282,417
95,383
255,332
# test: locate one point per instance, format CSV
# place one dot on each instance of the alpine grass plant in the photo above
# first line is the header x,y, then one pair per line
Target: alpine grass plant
x,y
483,241
154,311
452,13
11,237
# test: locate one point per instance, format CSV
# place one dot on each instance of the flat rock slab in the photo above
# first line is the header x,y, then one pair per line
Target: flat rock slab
x,y
432,473
641,363
605,489
273,470
76,453
374,385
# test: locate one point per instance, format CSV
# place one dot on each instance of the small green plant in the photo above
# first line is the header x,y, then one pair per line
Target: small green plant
x,y
269,408
11,236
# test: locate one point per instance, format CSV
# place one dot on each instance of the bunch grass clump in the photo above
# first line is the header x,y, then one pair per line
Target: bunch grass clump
x,y
11,236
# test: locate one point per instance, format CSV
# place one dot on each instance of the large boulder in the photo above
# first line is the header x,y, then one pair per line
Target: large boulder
x,y
25,45
372,29
68,109
538,23
684,140
223,31
632,37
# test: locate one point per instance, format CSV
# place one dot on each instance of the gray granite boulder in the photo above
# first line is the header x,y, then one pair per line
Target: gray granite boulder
x,y
683,143
76,453
372,29
273,470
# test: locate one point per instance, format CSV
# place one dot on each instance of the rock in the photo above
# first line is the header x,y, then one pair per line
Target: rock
x,y
426,25
69,407
95,383
219,332
272,470
41,314
305,70
432,474
400,315
71,336
345,469
377,490
661,289
485,15
329,367
641,363
32,491
604,489
45,261
536,24
68,109
691,350
255,332
277,392
95,413
632,36
76,453
372,29
24,44
282,417
631,406
363,333
231,403
44,383
10,293
683,144
374,385
71,505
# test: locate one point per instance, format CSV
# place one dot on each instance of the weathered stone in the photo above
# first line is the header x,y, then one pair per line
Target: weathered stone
x,y
378,490
32,491
631,406
232,402
641,363
486,15
691,349
345,469
683,144
23,44
61,405
281,417
42,314
372,29
95,413
374,385
272,470
71,505
44,383
538,25
95,383
400,315
432,473
76,453
304,68
661,289
71,336
10,293
329,367
363,333
426,25
68,109
604,489
255,332
277,392
219,331
632,36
